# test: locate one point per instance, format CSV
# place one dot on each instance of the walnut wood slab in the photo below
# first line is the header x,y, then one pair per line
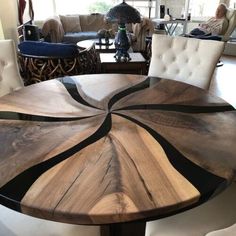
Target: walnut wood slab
x,y
103,149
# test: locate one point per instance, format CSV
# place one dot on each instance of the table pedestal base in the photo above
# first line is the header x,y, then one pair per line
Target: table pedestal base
x,y
125,229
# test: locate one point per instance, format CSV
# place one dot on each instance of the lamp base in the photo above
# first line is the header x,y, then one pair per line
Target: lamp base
x,y
122,56
122,45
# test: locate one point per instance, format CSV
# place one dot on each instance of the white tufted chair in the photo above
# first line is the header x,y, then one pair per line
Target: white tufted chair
x,y
10,79
217,213
229,231
184,59
16,224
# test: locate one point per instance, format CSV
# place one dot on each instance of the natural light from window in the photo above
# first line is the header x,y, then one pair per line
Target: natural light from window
x,y
199,9
61,7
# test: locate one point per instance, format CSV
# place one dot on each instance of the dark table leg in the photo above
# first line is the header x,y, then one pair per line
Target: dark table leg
x,y
124,229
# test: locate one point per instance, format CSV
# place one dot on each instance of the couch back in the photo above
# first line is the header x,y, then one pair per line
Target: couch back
x,y
93,22
88,22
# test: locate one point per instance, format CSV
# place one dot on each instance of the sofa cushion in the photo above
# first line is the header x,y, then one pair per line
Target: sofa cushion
x,y
70,23
76,37
38,48
93,22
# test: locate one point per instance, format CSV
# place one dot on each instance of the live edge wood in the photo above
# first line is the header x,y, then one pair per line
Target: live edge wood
x,y
109,148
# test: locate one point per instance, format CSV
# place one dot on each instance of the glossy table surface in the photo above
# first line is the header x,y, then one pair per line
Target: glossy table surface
x,y
109,148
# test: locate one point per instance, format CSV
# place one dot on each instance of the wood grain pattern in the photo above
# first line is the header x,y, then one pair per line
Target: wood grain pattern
x,y
103,149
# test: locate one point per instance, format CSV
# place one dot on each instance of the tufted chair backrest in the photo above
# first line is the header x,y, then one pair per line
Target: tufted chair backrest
x,y
10,79
184,59
231,17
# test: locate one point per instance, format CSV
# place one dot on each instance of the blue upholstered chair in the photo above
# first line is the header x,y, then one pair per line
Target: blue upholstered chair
x,y
40,61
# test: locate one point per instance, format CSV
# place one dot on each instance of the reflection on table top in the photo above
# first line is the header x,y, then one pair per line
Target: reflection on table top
x,y
100,149
99,47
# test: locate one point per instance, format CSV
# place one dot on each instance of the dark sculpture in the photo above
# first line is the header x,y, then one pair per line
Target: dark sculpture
x,y
122,44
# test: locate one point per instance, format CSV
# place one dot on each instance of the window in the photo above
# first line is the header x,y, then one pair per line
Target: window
x,y
232,4
84,7
202,9
144,6
47,8
43,9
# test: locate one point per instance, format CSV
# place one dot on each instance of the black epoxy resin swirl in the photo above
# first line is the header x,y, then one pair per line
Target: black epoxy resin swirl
x,y
155,137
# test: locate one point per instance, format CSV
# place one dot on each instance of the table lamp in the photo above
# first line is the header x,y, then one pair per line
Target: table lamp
x,y
122,14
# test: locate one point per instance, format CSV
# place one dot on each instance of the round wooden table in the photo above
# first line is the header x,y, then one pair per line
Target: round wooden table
x,y
108,148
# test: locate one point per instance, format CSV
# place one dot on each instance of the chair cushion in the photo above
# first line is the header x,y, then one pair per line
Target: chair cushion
x,y
93,22
48,49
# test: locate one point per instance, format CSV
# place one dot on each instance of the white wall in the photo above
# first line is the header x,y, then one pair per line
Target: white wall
x,y
9,18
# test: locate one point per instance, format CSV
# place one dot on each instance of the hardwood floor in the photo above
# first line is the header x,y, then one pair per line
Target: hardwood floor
x,y
224,80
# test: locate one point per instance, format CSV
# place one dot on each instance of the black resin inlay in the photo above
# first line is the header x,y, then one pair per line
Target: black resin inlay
x,y
16,188
179,108
204,181
8,115
72,89
142,85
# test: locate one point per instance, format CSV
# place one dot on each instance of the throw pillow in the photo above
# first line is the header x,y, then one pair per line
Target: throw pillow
x,y
37,48
71,23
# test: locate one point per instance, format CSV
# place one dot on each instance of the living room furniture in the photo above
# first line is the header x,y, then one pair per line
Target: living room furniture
x,y
75,28
40,61
189,60
212,216
116,150
229,231
231,16
123,14
1,31
17,224
227,31
99,47
31,32
169,25
137,64
10,78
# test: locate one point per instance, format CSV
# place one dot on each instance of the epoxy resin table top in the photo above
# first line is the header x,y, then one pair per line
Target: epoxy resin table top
x,y
109,148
